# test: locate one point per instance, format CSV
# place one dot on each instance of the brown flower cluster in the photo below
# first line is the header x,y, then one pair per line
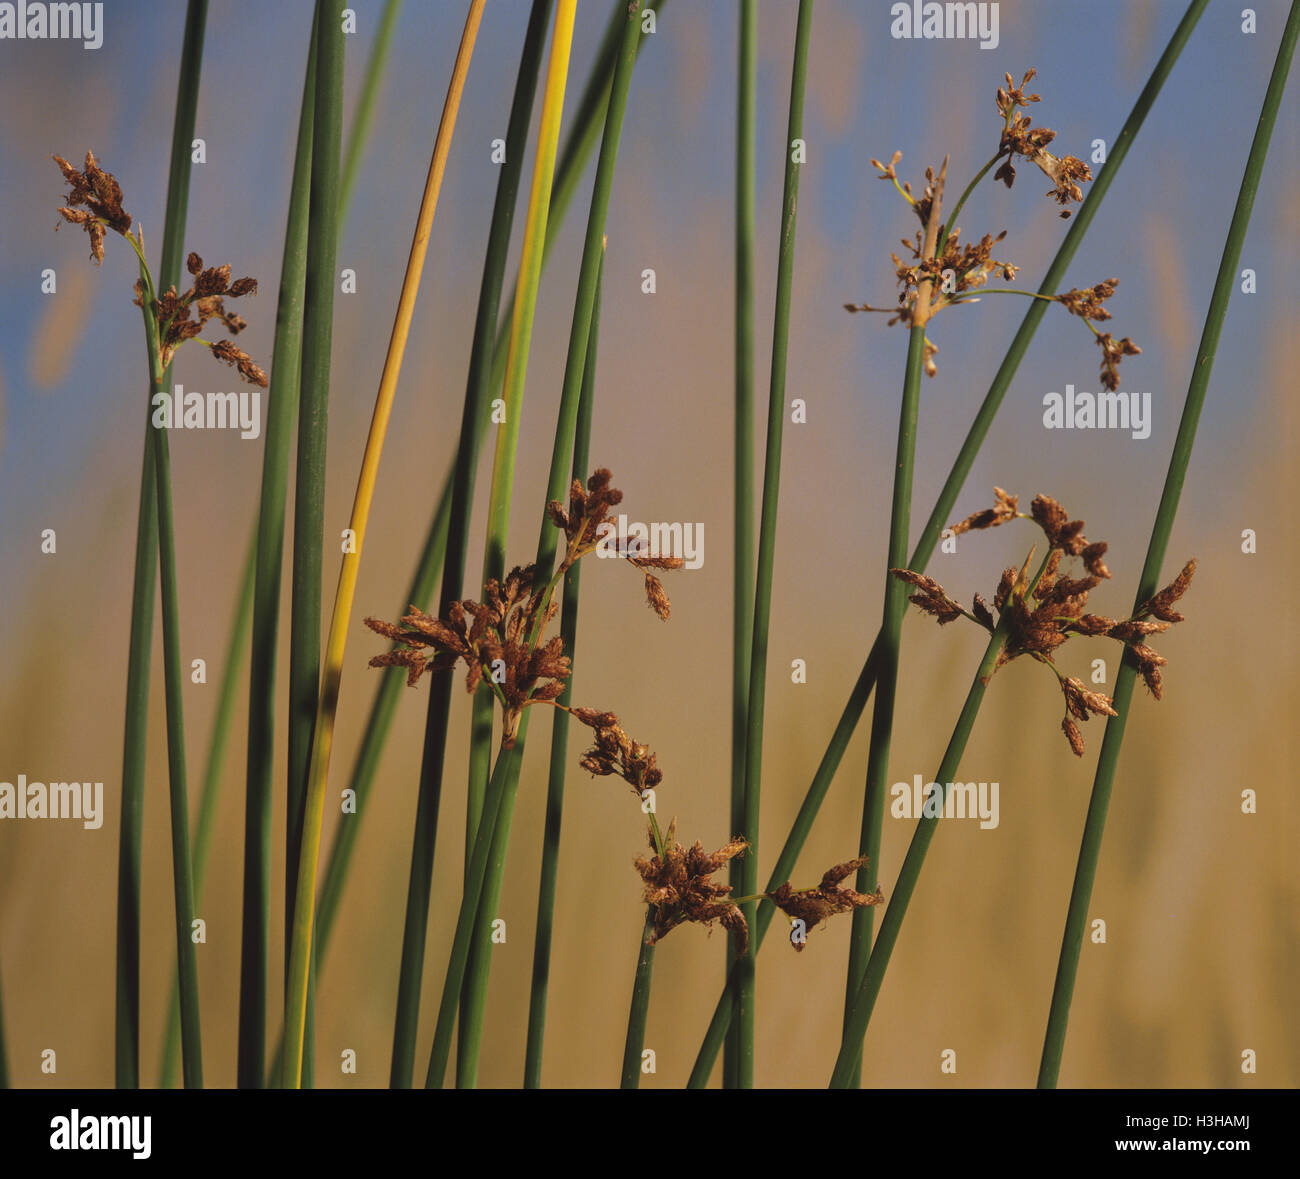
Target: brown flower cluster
x,y
677,884
95,201
1021,138
182,317
1038,617
615,753
1087,304
954,272
499,638
678,888
812,906
586,525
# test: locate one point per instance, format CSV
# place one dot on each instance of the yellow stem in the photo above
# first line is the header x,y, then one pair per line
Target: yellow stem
x,y
300,952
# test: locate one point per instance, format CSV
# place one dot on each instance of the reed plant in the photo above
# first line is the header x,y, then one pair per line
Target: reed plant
x,y
503,641
939,515
1133,665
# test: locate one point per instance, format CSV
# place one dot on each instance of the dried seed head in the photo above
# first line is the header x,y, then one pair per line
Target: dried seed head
x,y
1161,605
1002,511
814,905
678,888
656,598
93,202
930,596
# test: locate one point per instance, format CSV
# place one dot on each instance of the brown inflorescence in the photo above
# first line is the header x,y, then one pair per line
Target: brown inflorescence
x,y
95,203
955,272
1039,619
678,888
587,523
502,639
499,639
812,906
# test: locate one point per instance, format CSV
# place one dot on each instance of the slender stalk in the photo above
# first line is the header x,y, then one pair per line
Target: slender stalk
x,y
309,496
378,725
742,615
744,991
305,905
365,111
135,736
942,511
521,331
282,408
588,118
955,212
593,254
505,779
182,877
1090,849
202,840
882,720
640,1007
559,739
472,426
846,1074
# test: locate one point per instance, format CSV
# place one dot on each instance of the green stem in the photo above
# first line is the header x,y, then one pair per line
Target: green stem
x,y
309,498
951,222
882,718
744,992
211,791
559,739
640,1006
962,464
282,407
500,793
173,683
785,864
472,426
365,111
1098,805
742,616
135,737
862,1001
593,253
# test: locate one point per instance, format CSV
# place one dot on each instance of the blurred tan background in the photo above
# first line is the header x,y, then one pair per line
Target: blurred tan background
x,y
1200,901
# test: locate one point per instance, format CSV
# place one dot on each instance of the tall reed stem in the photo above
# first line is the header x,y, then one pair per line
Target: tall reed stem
x,y
943,507
639,1010
173,685
593,254
305,904
882,720
208,797
282,408
505,779
309,495
135,737
365,109
862,1002
742,615
559,738
744,991
1085,874
472,425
